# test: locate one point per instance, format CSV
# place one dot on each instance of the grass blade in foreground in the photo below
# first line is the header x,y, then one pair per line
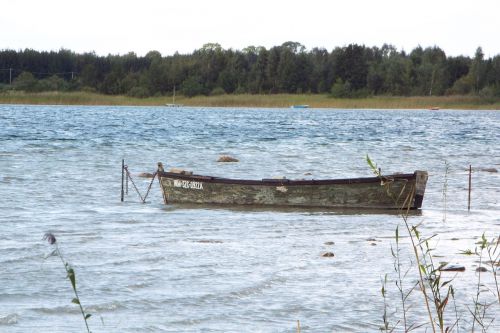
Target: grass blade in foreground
x,y
51,239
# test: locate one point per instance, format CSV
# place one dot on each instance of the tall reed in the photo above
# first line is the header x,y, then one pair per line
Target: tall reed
x,y
70,274
437,292
249,100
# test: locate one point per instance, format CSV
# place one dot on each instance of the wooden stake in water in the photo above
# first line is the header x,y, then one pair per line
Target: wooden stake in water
x,y
470,185
123,177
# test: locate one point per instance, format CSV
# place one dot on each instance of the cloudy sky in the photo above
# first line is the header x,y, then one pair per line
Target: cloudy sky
x,y
119,27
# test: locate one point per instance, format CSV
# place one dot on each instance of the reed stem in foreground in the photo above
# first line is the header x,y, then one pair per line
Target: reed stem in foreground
x,y
51,239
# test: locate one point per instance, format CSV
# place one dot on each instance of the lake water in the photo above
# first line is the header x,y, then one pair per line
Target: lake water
x,y
156,268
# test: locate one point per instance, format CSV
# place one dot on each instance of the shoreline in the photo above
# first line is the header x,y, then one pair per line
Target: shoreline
x,y
259,101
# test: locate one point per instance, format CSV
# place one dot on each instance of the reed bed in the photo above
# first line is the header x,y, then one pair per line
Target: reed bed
x,y
324,101
247,100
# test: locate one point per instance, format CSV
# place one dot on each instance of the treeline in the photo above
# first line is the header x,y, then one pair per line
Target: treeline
x,y
349,71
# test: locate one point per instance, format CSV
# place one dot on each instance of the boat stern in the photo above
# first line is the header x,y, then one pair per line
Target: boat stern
x,y
420,184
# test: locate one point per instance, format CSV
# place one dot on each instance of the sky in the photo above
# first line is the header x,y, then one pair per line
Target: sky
x,y
458,27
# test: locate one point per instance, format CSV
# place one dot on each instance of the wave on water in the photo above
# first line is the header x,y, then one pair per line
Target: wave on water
x,y
258,288
10,319
191,268
10,179
95,308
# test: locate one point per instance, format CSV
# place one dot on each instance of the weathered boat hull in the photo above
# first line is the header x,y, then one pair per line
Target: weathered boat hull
x,y
387,192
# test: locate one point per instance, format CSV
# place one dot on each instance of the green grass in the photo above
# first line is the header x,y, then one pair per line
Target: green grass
x,y
246,100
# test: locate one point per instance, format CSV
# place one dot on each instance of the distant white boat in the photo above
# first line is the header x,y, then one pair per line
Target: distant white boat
x,y
299,106
173,105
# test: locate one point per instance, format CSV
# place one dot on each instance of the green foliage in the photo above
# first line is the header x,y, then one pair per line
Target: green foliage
x,y
490,92
351,71
89,76
53,83
341,89
228,80
4,87
462,86
217,91
437,293
345,90
26,82
352,65
111,84
373,166
192,87
240,90
138,92
131,80
70,274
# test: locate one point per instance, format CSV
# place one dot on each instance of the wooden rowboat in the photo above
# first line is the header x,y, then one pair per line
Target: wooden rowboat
x,y
385,192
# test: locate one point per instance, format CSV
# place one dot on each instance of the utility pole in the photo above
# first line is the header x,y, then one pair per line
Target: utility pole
x,y
10,76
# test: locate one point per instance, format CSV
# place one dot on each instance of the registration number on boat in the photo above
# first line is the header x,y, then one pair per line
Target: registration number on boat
x,y
188,184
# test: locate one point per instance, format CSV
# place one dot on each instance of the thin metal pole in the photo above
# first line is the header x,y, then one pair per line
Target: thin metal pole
x,y
126,185
470,185
123,176
10,76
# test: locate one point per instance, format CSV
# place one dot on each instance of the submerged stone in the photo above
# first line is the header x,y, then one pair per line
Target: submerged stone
x,y
145,175
227,158
492,170
452,268
210,241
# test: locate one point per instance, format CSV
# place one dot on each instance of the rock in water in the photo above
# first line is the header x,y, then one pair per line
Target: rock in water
x,y
452,268
145,175
492,170
328,254
227,158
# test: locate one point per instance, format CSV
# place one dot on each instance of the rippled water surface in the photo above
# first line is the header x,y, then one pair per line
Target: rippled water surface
x,y
152,268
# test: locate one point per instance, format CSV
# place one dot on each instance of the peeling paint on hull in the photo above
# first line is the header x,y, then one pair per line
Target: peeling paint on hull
x,y
357,193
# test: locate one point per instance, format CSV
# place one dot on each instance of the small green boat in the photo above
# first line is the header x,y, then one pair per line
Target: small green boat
x,y
385,192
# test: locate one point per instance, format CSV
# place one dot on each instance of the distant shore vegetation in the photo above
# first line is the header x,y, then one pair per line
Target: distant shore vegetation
x,y
212,73
469,102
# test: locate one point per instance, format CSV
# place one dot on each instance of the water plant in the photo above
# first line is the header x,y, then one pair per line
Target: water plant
x,y
480,306
445,189
383,290
437,291
70,274
455,102
412,232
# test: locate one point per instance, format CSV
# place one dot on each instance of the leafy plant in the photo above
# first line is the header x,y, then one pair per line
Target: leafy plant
x,y
437,292
71,275
492,250
429,275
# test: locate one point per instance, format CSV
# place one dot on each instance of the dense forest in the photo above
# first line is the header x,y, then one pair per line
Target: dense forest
x,y
349,71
